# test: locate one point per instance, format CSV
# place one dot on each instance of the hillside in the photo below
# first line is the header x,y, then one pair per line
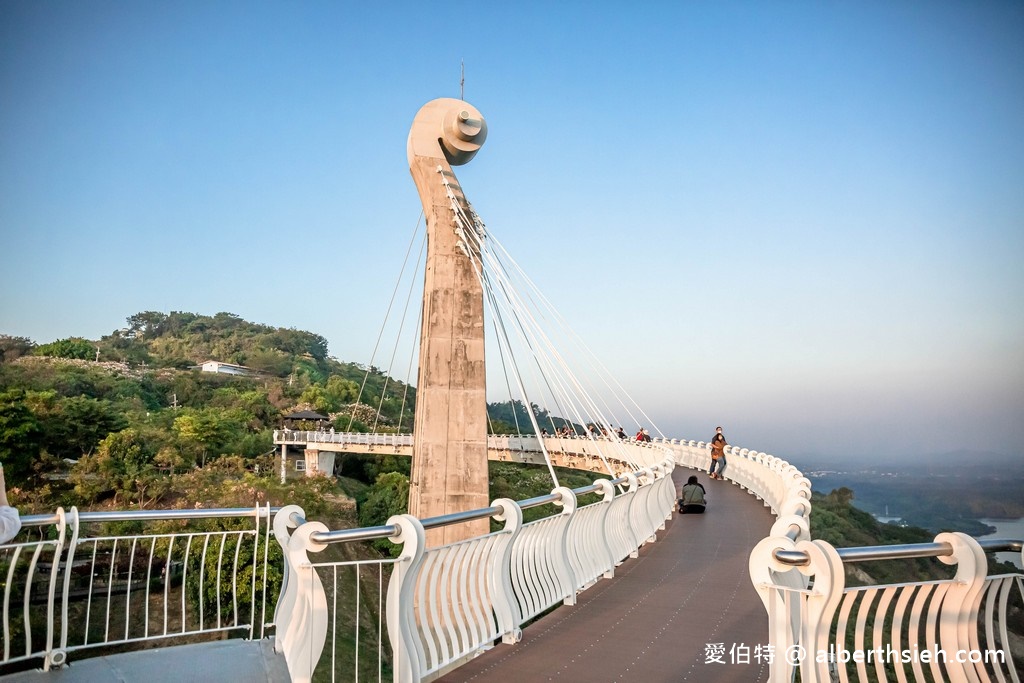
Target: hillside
x,y
835,519
83,422
126,420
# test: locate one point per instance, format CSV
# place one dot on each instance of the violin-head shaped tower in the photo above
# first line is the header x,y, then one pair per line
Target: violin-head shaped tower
x,y
449,462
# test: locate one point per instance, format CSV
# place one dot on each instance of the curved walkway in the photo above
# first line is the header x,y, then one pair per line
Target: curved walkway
x,y
686,600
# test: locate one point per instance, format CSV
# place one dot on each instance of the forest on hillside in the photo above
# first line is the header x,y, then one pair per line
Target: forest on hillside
x,y
115,421
129,420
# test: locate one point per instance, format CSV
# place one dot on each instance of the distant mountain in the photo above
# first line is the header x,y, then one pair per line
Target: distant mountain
x,y
948,462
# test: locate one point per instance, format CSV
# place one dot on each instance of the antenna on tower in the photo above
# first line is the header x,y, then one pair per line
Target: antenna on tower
x,y
462,82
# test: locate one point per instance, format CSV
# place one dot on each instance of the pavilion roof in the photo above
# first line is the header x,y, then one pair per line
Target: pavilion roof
x,y
306,415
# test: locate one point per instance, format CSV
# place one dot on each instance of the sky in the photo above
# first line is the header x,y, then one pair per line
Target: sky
x,y
802,221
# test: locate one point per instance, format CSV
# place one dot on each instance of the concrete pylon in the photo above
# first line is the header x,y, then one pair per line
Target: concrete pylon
x,y
449,461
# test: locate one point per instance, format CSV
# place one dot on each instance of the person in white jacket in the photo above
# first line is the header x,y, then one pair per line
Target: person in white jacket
x,y
10,520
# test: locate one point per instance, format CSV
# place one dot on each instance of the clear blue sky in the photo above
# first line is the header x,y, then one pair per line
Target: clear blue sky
x,y
806,218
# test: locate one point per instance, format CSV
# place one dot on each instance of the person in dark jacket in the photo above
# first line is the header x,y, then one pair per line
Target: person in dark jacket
x,y
691,498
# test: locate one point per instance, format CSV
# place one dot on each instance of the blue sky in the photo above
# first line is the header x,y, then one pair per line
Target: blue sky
x,y
803,221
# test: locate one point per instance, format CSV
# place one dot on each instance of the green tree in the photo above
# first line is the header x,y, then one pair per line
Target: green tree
x,y
73,347
210,429
341,391
122,465
73,426
145,324
21,437
12,348
388,496
316,396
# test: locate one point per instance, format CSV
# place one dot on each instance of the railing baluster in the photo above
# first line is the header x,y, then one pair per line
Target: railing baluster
x,y
358,590
128,593
110,589
334,628
7,601
238,537
149,583
380,622
202,581
168,569
92,576
184,582
220,569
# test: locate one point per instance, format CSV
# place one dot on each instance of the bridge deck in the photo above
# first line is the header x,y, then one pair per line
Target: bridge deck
x,y
656,619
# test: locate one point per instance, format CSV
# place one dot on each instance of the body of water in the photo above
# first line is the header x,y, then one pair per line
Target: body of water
x,y
1009,529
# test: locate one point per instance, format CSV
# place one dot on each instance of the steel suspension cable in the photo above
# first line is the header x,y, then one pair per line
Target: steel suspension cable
x,y
401,326
394,293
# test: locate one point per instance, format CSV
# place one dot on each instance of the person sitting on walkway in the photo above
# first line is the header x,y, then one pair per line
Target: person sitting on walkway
x,y
10,521
692,500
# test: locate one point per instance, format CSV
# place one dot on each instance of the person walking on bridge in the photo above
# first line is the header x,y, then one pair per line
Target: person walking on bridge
x,y
718,444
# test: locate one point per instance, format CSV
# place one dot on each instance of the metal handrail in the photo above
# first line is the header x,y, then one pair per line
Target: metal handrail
x,y
799,558
149,515
391,530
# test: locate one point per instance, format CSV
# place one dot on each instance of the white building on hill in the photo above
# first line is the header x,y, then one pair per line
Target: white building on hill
x,y
225,368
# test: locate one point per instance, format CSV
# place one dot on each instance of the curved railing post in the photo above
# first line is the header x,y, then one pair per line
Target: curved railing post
x,y
506,608
406,648
563,567
58,657
665,498
285,519
799,618
306,632
635,541
607,493
958,621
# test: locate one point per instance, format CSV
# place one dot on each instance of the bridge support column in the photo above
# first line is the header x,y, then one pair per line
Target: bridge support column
x,y
449,462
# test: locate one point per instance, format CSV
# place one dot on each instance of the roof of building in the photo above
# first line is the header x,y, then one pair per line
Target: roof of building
x,y
220,362
306,415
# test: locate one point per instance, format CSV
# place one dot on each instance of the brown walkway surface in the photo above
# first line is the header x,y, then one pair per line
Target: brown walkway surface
x,y
655,620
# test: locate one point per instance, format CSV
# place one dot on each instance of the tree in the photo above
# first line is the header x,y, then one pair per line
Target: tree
x,y
122,465
209,429
388,496
21,436
341,391
146,324
316,396
72,347
73,426
12,348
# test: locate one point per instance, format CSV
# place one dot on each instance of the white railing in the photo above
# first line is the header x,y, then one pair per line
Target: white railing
x,y
425,612
827,632
583,452
342,438
446,604
68,589
955,629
